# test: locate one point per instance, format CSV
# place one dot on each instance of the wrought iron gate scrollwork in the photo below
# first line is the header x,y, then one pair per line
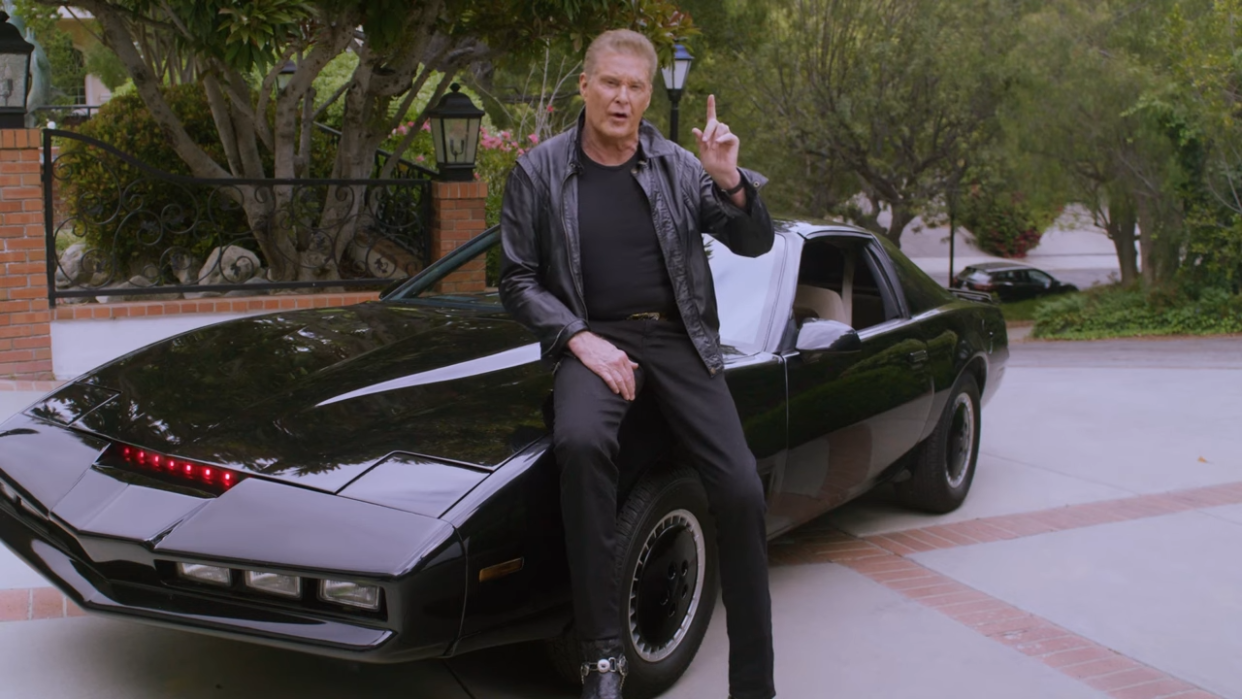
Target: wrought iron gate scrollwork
x,y
143,231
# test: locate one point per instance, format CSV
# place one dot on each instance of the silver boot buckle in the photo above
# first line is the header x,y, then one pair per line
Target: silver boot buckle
x,y
605,665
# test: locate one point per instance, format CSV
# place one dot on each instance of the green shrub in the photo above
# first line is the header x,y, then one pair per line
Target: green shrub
x,y
129,216
132,217
1133,312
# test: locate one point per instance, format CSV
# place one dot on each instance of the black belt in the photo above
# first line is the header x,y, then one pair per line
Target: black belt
x,y
652,315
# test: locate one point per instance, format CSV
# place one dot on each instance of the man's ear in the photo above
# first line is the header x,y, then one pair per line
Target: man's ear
x,y
582,83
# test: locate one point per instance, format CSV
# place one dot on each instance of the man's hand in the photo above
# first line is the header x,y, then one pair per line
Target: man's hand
x,y
609,363
718,149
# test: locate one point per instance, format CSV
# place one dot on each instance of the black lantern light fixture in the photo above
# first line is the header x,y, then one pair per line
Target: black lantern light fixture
x,y
14,74
285,76
455,125
675,82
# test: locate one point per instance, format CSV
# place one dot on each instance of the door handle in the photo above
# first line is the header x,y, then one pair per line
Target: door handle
x,y
918,357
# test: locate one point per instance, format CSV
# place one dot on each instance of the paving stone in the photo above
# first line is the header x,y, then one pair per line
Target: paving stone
x,y
841,635
1165,591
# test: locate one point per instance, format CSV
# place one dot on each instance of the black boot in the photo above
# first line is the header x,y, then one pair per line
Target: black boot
x,y
603,669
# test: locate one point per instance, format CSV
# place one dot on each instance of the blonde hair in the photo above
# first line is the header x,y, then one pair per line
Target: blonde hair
x,y
620,41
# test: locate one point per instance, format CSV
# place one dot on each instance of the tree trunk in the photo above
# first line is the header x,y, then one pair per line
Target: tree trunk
x,y
1160,235
1122,220
897,225
1147,232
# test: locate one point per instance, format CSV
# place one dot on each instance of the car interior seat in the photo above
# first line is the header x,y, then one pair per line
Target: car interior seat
x,y
821,303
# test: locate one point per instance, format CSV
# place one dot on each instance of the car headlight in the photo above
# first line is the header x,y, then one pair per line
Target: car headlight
x,y
350,594
274,583
212,575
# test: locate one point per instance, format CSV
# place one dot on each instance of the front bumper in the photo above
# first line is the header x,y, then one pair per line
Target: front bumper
x,y
177,608
105,571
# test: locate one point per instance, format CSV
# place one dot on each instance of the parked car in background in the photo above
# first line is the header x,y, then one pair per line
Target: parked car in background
x,y
1009,281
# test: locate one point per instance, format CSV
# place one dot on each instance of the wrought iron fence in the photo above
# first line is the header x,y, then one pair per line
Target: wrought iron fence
x,y
403,167
118,228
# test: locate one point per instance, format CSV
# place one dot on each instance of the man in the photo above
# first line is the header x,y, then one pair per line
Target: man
x,y
604,261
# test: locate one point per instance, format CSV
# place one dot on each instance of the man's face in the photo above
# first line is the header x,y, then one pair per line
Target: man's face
x,y
616,94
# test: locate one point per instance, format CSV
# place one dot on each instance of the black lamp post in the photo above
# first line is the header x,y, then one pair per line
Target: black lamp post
x,y
14,74
675,82
455,125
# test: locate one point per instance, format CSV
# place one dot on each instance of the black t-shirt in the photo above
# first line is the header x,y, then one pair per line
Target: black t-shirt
x,y
623,268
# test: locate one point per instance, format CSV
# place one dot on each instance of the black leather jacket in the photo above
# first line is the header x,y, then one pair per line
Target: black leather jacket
x,y
541,271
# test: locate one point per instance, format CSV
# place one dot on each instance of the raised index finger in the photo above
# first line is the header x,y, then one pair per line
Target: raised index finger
x,y
711,108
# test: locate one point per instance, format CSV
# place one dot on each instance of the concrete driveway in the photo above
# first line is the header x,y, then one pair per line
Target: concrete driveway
x,y
1096,556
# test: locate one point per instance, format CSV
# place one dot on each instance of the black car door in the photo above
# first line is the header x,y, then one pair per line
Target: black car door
x,y
851,415
1006,285
1040,283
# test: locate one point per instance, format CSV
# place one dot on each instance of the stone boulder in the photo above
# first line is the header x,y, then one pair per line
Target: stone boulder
x,y
69,267
260,278
229,265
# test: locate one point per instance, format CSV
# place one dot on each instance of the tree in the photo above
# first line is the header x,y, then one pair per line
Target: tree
x,y
237,49
1100,100
1073,112
890,98
1207,68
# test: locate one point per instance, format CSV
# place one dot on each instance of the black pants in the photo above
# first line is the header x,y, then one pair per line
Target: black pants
x,y
701,412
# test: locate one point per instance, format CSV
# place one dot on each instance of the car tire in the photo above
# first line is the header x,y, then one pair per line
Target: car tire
x,y
666,543
944,464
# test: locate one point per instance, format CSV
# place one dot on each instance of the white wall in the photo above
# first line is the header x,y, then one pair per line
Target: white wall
x,y
81,345
96,91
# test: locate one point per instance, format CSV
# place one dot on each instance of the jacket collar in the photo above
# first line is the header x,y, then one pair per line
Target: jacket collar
x,y
651,143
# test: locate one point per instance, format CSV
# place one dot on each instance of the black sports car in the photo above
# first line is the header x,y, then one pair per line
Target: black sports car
x,y
374,482
1008,281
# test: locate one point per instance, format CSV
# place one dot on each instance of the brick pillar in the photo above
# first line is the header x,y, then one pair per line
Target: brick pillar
x,y
25,330
458,214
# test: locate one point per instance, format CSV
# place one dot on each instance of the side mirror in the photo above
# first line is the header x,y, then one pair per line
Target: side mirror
x,y
827,336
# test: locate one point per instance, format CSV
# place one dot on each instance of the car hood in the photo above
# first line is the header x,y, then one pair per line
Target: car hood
x,y
317,397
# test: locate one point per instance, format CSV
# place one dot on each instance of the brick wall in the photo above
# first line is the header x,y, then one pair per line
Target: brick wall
x,y
25,337
459,213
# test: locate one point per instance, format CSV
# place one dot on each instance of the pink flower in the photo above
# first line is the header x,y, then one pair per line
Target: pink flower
x,y
534,138
426,126
419,158
551,109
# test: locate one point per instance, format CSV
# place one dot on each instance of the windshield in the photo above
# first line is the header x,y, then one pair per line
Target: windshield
x,y
745,286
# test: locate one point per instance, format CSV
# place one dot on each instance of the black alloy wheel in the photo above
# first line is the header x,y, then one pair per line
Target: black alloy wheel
x,y
944,465
666,543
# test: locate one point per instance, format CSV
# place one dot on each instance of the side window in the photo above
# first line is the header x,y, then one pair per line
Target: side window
x,y
922,292
1020,276
836,282
1040,278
